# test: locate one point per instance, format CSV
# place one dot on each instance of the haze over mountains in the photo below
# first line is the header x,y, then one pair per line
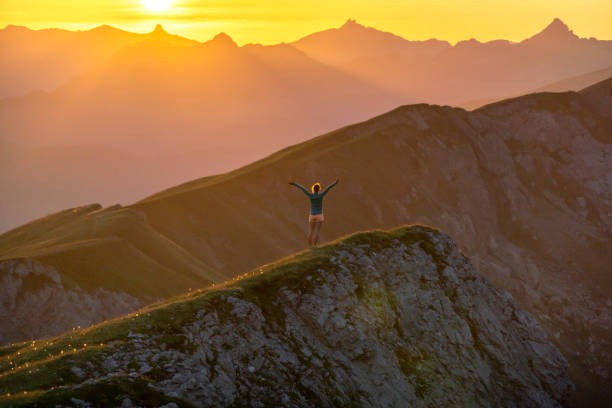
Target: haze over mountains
x,y
433,73
125,114
575,83
63,54
522,185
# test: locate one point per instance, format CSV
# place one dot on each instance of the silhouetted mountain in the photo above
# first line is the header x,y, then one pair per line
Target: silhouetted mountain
x,y
472,70
63,54
520,184
222,40
338,46
170,113
556,33
378,319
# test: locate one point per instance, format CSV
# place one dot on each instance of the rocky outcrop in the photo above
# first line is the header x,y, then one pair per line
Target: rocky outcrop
x,y
35,303
376,320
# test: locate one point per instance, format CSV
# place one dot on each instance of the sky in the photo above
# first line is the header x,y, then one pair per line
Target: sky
x,y
274,21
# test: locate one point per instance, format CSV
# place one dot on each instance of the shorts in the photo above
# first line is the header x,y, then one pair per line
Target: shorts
x,y
316,218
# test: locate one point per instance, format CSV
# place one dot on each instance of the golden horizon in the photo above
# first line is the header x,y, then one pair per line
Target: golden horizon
x,y
272,21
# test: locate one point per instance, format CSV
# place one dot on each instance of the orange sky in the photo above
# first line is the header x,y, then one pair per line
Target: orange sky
x,y
273,21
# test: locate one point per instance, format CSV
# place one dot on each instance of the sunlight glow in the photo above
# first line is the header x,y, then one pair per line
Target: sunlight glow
x,y
273,21
157,5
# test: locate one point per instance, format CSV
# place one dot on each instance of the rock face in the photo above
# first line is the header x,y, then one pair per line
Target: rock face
x,y
377,320
35,303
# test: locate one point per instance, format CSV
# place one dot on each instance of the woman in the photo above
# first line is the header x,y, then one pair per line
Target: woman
x,y
316,209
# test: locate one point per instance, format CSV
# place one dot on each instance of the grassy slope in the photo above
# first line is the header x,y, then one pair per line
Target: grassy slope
x,y
110,248
117,249
36,371
261,210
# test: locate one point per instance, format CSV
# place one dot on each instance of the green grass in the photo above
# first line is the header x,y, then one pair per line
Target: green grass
x,y
114,249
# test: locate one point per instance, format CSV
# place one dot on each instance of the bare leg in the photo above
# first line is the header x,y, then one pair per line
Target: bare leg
x,y
311,233
317,228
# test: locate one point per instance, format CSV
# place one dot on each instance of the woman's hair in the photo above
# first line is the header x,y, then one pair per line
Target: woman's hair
x,y
315,187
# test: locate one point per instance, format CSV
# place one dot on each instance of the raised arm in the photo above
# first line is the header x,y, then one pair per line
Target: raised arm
x,y
330,186
300,187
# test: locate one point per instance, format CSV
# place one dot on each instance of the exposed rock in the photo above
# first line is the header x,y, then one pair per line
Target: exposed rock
x,y
377,320
34,302
77,371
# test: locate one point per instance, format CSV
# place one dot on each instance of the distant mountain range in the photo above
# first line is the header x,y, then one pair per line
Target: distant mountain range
x,y
435,72
157,114
553,54
520,184
63,54
119,114
351,41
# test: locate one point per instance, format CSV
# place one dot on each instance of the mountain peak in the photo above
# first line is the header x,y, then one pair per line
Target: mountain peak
x,y
556,32
557,26
12,27
104,28
223,39
159,30
350,23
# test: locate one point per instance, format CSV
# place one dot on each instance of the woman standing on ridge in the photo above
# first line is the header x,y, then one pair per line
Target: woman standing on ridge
x,y
315,219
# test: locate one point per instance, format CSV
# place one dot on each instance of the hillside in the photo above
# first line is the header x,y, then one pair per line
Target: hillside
x,y
377,319
85,265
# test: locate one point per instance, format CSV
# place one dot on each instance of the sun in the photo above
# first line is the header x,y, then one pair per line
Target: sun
x,y
157,5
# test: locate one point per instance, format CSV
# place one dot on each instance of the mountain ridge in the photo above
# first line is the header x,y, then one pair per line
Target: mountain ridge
x,y
320,328
477,66
341,45
65,54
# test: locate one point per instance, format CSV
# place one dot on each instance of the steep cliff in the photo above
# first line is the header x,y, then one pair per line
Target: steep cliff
x,y
378,319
